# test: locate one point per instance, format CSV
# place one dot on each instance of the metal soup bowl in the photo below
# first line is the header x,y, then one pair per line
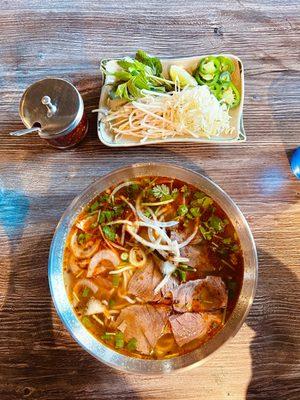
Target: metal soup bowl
x,y
86,339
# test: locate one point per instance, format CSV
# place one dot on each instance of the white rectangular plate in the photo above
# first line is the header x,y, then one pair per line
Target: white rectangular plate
x,y
190,64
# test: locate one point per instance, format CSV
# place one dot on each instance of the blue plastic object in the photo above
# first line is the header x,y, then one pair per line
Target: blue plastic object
x,y
295,163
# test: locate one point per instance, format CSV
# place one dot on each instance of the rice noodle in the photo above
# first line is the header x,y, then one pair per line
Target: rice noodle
x,y
146,242
123,235
142,216
109,243
130,205
190,238
159,231
127,298
158,203
119,221
121,270
117,188
86,282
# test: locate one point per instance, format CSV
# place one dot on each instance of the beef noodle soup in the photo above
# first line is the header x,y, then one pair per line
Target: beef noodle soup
x,y
153,267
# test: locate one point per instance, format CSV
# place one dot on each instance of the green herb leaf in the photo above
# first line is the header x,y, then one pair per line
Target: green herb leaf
x,y
195,211
106,215
153,62
109,232
181,274
83,237
185,267
160,191
118,210
115,280
185,191
199,195
235,248
182,210
85,292
86,322
108,336
104,198
147,213
131,345
206,202
94,206
227,240
216,223
122,75
207,234
119,340
111,303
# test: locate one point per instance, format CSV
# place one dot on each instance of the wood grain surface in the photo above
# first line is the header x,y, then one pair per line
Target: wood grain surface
x,y
67,38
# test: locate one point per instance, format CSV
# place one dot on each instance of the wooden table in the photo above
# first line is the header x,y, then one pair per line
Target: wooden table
x,y
67,38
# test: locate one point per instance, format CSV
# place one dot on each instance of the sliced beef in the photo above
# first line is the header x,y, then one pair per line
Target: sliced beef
x,y
169,287
200,295
190,326
145,323
198,254
199,259
144,281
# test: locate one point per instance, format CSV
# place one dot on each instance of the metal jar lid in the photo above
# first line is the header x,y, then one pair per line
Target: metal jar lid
x,y
54,104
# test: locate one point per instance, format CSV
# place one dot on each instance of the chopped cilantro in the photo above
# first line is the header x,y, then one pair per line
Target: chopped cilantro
x,y
85,292
118,210
206,202
199,195
119,340
160,191
109,232
83,237
86,321
115,280
182,210
195,211
108,336
216,223
131,345
206,234
147,213
185,191
111,303
94,206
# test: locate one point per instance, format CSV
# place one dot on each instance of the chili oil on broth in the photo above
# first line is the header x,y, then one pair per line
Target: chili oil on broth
x,y
100,244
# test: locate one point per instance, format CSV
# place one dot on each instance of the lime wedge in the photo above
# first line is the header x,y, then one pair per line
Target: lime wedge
x,y
182,76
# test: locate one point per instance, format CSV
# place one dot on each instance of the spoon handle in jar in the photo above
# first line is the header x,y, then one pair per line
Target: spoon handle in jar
x,y
24,131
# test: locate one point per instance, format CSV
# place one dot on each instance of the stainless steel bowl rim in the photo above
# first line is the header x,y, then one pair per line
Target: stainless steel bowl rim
x,y
87,340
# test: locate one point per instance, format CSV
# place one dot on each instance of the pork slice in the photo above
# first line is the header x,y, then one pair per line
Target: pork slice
x,y
190,326
144,281
145,323
200,295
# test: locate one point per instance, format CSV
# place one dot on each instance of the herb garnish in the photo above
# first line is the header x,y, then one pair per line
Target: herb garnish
x,y
109,232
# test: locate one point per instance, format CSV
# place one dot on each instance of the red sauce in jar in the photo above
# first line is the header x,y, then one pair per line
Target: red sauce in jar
x,y
71,138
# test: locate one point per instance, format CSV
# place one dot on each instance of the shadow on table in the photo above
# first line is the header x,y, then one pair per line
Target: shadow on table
x,y
275,319
41,362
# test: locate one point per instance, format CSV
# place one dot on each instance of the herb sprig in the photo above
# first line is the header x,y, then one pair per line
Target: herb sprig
x,y
141,73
